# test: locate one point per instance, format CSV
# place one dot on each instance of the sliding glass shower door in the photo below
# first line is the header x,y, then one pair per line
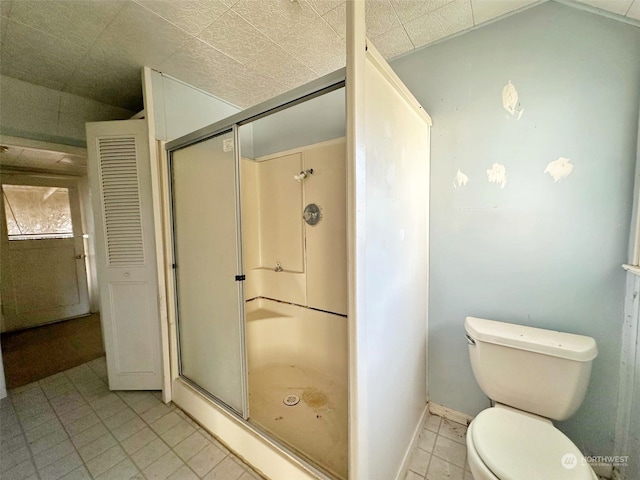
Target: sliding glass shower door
x,y
208,266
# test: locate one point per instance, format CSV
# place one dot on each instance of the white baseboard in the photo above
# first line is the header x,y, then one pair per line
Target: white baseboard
x,y
449,414
404,467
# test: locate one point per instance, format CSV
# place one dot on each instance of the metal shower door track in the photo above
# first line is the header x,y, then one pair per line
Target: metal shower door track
x,y
316,88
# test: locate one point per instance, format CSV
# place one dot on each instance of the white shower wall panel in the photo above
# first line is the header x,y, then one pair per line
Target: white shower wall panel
x,y
313,258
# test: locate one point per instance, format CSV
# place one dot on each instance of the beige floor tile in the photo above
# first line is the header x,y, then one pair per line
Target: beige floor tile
x,y
100,401
177,433
48,441
450,451
155,413
183,473
250,475
81,424
128,429
43,430
107,459
149,453
53,454
432,423
165,423
9,444
190,446
67,402
145,404
16,457
61,467
442,470
413,476
205,460
419,461
80,473
132,397
427,440
33,410
121,471
112,406
454,431
137,441
97,447
54,390
69,417
89,435
163,467
10,428
228,469
20,471
119,418
32,422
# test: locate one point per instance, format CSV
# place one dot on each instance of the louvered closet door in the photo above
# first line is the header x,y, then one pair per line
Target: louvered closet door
x,y
120,179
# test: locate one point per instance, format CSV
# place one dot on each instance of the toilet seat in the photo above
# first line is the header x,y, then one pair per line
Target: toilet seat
x,y
519,446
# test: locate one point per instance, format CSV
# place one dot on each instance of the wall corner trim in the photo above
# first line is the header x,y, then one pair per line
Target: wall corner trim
x,y
635,269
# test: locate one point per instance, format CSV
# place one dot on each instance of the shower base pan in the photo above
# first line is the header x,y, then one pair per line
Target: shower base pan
x,y
315,426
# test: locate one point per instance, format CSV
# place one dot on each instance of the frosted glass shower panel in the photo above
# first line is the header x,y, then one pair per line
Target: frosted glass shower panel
x,y
204,190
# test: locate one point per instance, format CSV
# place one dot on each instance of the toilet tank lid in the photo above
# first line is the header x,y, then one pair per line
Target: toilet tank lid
x,y
547,342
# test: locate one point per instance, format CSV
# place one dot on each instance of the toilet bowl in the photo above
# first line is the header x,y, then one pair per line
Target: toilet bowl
x,y
533,375
504,444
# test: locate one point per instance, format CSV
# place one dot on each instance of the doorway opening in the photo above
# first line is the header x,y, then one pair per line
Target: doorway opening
x,y
47,323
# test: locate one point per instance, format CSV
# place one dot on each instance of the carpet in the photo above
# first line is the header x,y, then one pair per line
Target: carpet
x,y
35,353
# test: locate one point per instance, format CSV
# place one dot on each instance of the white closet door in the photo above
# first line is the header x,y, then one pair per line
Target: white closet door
x,y
120,179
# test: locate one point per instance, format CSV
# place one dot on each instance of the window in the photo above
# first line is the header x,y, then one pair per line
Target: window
x,y
37,212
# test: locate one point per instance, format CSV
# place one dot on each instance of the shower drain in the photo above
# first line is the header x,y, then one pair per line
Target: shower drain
x,y
291,400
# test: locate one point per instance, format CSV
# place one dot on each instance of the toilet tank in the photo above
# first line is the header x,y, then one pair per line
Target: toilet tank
x,y
539,371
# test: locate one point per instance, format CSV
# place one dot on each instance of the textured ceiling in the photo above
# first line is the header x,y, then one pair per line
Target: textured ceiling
x,y
35,159
243,51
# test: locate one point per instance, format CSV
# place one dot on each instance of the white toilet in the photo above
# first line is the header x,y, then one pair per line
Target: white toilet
x,y
533,376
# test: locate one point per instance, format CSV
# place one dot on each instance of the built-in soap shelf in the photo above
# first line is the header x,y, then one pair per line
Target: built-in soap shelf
x,y
272,269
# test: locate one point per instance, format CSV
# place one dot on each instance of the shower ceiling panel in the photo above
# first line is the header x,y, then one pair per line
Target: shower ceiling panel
x,y
243,51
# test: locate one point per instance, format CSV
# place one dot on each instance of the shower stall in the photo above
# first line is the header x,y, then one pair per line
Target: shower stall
x,y
260,261
296,235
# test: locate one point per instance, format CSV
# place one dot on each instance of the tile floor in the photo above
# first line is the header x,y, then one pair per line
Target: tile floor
x,y
441,452
71,426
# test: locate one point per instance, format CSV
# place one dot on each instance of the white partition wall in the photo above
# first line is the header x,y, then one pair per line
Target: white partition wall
x,y
388,147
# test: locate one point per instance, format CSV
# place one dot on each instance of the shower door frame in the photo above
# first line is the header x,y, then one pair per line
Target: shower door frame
x,y
328,83
244,413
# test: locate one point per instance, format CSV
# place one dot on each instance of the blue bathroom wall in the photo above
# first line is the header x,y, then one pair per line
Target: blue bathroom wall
x,y
534,251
